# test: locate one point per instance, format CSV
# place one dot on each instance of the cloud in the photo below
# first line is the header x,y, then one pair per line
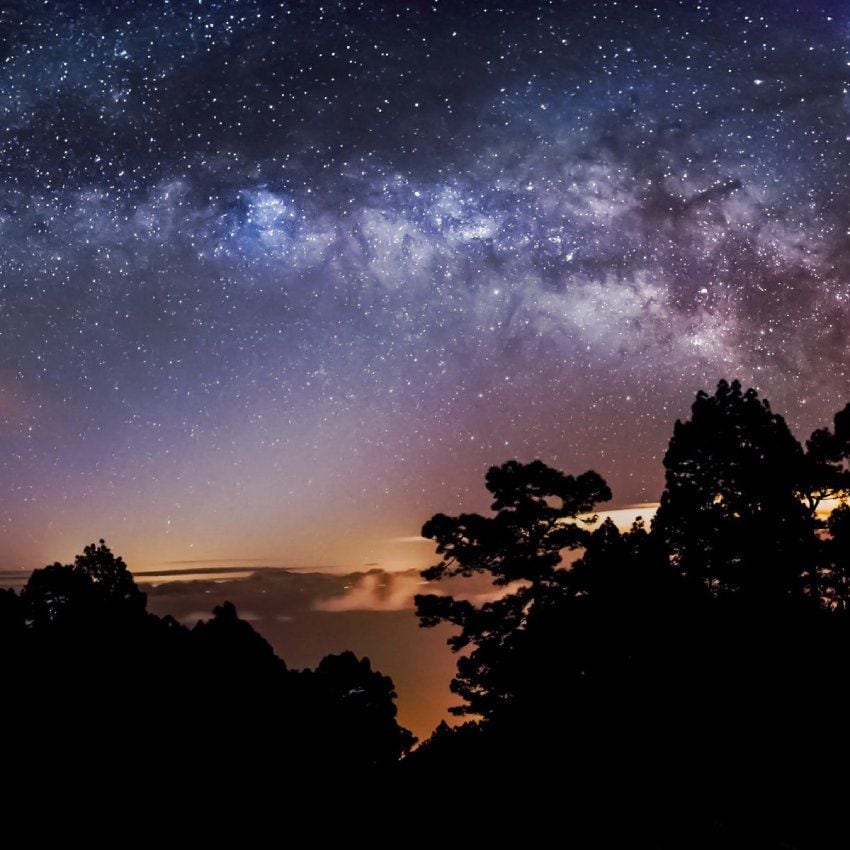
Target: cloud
x,y
626,515
376,591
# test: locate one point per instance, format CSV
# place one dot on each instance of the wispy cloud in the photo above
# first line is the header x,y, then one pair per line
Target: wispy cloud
x,y
624,517
375,591
268,561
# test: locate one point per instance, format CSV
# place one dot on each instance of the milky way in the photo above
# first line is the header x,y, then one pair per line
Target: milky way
x,y
279,280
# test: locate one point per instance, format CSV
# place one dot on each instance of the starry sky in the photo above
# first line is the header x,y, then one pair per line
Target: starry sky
x,y
279,280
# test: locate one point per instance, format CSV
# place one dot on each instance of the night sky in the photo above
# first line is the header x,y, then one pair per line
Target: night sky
x,y
280,280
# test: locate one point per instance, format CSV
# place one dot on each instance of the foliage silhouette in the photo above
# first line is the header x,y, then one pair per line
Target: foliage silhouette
x,y
683,685
731,513
79,643
537,517
686,678
835,573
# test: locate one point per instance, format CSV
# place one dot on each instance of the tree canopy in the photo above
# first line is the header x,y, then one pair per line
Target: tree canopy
x,y
79,643
731,513
682,683
678,666
538,514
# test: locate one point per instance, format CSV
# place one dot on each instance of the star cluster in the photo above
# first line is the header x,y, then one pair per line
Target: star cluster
x,y
280,279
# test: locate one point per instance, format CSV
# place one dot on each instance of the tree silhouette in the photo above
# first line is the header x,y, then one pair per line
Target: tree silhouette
x,y
359,709
686,679
110,575
835,565
78,643
537,516
681,686
826,473
731,513
827,476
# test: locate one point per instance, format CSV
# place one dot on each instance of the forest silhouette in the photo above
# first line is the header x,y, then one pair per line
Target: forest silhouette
x,y
682,684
